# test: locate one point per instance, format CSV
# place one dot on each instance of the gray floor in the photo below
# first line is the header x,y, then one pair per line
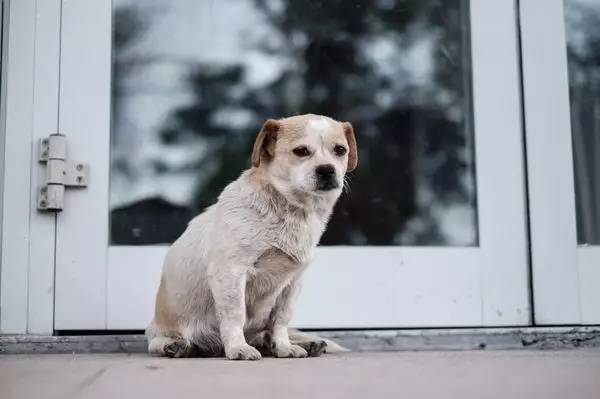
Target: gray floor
x,y
562,374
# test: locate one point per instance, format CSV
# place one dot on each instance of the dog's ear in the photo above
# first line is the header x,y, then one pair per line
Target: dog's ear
x,y
353,150
265,142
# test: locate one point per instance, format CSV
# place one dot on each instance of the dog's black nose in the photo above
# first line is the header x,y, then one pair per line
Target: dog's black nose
x,y
326,179
326,171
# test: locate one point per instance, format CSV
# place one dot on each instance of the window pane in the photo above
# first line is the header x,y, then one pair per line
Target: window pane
x,y
193,81
583,49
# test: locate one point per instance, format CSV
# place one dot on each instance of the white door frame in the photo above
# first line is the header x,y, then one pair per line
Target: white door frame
x,y
29,112
564,275
566,278
478,286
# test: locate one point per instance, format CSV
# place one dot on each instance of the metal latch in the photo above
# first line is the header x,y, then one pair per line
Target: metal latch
x,y
60,173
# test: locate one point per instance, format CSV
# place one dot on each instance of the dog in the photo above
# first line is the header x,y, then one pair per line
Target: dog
x,y
229,282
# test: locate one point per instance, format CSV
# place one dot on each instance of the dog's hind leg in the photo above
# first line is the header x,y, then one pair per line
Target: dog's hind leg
x,y
262,342
172,347
208,344
313,348
313,344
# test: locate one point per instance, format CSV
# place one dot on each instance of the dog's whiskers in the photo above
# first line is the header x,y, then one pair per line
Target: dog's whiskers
x,y
346,184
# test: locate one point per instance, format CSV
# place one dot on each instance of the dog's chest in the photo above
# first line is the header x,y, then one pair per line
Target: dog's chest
x,y
297,236
272,271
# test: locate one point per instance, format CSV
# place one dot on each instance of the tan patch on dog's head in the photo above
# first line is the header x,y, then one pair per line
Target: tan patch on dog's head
x,y
291,130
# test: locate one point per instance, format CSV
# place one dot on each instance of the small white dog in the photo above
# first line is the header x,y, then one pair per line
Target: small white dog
x,y
228,283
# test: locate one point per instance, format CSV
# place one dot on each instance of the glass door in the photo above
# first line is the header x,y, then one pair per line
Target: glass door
x,y
164,99
561,61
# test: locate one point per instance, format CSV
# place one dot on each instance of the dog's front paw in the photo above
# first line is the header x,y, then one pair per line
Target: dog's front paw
x,y
289,351
244,352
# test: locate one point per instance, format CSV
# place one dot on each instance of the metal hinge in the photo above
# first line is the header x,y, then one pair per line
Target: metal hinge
x,y
60,173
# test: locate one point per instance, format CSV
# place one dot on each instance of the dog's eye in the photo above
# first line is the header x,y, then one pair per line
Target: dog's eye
x,y
301,151
339,150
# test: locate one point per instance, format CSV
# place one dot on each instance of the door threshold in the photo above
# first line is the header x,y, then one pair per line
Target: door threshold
x,y
357,340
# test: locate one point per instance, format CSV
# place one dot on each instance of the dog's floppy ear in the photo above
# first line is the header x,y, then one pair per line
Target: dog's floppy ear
x,y
353,150
264,141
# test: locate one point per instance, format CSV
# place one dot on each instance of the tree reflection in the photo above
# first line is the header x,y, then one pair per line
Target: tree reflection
x,y
583,39
347,59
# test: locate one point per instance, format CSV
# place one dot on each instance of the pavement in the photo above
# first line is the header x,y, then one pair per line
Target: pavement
x,y
530,374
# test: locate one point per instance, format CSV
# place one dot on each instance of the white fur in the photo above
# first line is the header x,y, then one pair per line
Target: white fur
x,y
232,277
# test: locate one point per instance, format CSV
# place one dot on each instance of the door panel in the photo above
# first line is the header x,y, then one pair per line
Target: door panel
x,y
28,113
340,288
84,116
432,230
562,85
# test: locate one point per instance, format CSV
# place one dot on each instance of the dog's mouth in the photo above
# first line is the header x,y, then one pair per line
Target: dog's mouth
x,y
327,185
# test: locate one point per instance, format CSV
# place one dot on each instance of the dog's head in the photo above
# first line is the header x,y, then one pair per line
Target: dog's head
x,y
307,154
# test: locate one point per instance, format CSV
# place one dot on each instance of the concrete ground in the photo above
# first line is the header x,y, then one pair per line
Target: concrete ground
x,y
572,374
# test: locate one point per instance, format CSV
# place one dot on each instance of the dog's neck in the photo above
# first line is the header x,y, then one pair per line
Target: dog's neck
x,y
297,222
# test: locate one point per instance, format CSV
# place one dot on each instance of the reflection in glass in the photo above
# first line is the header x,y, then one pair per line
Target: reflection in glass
x,y
194,80
583,49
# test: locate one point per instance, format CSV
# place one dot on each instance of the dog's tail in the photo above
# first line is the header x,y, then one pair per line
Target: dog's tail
x,y
301,336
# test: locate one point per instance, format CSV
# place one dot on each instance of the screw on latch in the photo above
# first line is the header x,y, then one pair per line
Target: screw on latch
x,y
79,167
79,179
43,203
45,145
44,190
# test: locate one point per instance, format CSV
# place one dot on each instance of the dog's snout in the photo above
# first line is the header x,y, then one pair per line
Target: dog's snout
x,y
326,178
325,170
